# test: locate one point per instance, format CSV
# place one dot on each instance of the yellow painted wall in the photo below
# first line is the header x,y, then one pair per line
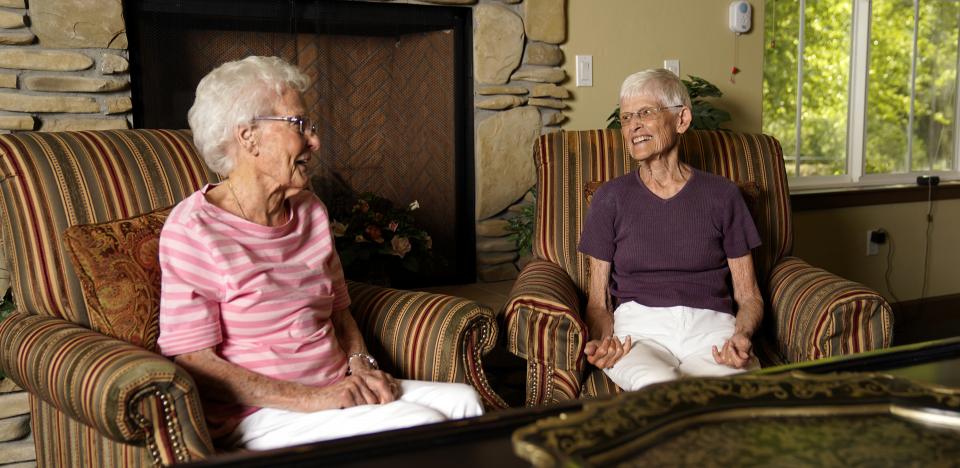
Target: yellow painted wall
x,y
624,36
836,240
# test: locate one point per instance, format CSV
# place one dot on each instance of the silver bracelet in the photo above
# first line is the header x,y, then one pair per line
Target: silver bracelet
x,y
366,357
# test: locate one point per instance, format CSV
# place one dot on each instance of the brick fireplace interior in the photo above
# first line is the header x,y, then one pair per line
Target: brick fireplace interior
x,y
392,94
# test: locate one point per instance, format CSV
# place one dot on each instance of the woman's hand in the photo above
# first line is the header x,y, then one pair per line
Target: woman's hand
x,y
605,352
735,352
385,387
364,387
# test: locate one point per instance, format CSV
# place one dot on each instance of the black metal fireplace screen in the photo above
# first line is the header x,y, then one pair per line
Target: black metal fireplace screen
x,y
392,92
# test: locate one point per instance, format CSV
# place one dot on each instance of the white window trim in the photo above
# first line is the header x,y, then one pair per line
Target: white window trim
x,y
856,111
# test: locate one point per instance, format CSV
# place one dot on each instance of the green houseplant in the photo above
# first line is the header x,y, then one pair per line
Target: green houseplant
x,y
521,226
705,115
6,307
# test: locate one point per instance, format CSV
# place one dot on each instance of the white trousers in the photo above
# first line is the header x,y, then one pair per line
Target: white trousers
x,y
421,403
669,343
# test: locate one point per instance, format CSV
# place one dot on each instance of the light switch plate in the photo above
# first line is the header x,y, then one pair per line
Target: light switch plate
x,y
584,70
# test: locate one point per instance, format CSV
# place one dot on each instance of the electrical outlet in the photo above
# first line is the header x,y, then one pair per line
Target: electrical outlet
x,y
875,237
872,247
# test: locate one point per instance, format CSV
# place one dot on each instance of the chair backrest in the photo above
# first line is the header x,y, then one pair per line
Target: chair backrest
x,y
568,161
51,181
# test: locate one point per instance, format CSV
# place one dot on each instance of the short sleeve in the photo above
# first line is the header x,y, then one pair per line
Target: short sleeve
x,y
334,269
739,231
341,297
189,292
599,227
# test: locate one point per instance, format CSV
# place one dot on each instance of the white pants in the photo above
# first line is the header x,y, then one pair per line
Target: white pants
x,y
669,343
421,403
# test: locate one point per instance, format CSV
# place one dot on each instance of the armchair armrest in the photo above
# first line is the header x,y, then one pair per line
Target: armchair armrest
x,y
542,319
817,314
425,336
124,392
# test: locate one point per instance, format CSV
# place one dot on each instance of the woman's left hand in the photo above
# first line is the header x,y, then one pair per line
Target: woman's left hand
x,y
735,352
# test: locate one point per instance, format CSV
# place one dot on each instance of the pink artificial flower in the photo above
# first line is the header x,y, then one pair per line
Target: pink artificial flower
x,y
393,226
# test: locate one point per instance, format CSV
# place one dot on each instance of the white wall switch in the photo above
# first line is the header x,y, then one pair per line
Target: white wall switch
x,y
584,70
672,65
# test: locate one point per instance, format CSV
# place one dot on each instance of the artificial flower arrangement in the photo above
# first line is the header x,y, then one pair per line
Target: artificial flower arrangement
x,y
376,240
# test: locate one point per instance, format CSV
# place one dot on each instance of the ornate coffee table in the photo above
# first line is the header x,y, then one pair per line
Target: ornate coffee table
x,y
792,419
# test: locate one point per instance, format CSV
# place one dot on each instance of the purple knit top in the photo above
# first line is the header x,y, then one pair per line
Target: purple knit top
x,y
670,252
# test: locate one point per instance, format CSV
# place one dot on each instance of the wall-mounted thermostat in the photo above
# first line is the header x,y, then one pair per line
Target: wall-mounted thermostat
x,y
740,11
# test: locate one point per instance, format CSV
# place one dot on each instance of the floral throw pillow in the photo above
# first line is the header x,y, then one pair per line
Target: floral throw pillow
x,y
118,266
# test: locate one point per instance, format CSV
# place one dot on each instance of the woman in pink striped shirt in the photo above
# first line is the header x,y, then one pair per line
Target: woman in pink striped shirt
x,y
254,303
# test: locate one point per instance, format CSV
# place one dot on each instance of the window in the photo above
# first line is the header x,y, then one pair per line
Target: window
x,y
862,91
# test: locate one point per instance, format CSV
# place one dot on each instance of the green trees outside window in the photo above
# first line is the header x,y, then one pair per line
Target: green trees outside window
x,y
862,87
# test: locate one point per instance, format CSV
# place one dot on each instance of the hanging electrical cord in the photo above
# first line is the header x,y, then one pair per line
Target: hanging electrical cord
x,y
886,274
926,244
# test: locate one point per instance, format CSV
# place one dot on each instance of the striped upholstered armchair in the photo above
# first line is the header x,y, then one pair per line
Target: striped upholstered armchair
x,y
82,339
809,313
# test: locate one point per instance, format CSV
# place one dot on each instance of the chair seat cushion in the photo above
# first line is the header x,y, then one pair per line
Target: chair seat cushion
x,y
117,263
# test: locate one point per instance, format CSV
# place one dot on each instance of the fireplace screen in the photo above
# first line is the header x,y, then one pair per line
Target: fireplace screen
x,y
390,95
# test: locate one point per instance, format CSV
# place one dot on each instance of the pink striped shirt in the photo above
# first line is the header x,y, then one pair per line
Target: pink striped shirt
x,y
262,296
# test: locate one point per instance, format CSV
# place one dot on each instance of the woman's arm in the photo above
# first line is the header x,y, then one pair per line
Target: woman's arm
x,y
598,315
603,349
231,383
351,341
746,293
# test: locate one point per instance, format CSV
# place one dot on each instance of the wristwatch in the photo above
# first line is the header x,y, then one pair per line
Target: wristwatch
x,y
366,357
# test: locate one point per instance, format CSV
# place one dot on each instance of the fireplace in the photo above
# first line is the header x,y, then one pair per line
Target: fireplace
x,y
392,93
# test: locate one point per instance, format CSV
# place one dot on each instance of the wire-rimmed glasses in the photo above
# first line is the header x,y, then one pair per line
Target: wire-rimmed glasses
x,y
303,123
645,114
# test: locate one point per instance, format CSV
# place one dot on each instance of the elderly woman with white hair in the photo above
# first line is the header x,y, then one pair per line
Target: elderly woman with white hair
x,y
667,243
253,300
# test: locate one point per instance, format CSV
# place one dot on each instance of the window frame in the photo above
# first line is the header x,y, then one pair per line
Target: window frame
x,y
856,176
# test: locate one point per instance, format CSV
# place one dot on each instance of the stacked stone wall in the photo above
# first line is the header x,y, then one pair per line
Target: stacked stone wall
x,y
519,96
63,65
16,442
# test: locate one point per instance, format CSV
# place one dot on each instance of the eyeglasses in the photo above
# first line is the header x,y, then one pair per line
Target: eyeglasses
x,y
645,114
303,123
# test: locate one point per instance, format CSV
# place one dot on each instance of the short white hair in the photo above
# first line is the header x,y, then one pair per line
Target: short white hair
x,y
659,83
232,95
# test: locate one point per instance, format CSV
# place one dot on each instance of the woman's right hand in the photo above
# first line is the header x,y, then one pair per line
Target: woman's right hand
x,y
605,352
362,388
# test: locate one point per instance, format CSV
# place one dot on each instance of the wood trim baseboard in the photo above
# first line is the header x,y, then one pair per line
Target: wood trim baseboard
x,y
872,196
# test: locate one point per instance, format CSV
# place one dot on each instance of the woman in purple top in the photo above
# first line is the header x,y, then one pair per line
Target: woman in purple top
x,y
668,243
